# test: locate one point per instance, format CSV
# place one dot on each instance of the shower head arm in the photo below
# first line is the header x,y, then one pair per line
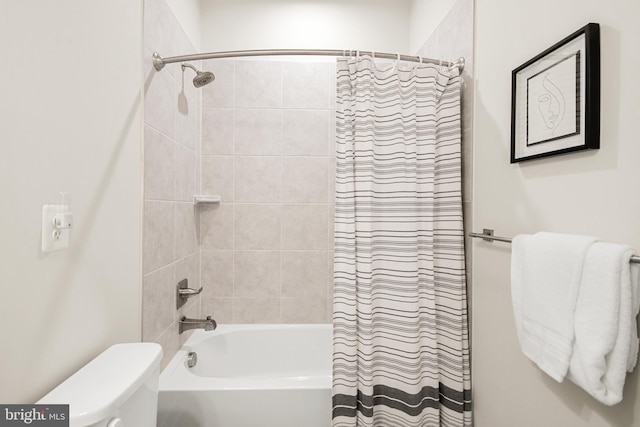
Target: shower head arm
x,y
190,66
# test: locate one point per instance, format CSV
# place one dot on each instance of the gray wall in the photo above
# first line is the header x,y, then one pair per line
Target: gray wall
x,y
588,193
71,122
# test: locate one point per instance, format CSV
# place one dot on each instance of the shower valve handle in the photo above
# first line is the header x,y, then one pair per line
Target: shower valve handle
x,y
184,292
189,292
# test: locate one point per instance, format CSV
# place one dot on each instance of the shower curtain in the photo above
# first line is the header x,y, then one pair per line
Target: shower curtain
x,y
400,350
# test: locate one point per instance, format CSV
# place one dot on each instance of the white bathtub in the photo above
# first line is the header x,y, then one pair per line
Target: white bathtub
x,y
250,376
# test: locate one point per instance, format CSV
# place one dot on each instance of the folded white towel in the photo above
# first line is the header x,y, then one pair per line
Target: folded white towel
x,y
606,340
635,309
546,286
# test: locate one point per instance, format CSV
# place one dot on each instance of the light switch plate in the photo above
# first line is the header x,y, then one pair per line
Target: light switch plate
x,y
49,241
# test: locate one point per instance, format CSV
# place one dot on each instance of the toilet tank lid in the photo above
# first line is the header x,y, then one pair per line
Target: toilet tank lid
x,y
99,388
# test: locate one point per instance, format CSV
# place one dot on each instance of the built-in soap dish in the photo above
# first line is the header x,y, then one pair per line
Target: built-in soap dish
x,y
201,199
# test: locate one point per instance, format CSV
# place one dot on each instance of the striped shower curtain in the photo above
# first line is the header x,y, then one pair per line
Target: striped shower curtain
x,y
400,350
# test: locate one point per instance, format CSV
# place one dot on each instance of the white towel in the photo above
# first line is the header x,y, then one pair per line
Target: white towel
x,y
606,338
546,273
519,245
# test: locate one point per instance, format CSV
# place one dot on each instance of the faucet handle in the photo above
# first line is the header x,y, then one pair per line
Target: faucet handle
x,y
189,292
184,292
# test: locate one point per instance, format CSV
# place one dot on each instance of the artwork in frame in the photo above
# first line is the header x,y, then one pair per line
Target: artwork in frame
x,y
555,98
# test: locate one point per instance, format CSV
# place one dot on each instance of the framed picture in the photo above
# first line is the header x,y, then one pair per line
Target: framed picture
x,y
555,98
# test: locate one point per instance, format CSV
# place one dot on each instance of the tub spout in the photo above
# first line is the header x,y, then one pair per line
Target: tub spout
x,y
207,324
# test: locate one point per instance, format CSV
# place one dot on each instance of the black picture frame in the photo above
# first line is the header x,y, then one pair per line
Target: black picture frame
x,y
555,98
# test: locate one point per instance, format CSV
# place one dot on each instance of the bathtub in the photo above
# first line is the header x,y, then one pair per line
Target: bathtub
x,y
250,376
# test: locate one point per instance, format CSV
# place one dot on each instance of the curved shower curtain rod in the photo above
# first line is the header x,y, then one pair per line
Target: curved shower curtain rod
x,y
159,62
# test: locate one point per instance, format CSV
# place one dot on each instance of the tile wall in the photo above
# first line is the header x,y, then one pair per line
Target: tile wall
x,y
172,117
267,150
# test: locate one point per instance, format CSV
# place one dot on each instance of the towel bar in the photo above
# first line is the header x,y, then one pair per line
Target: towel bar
x,y
487,235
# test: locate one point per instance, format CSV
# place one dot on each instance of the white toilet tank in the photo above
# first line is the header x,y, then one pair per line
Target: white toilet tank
x,y
119,388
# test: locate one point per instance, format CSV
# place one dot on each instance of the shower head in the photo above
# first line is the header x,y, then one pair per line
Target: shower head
x,y
202,77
